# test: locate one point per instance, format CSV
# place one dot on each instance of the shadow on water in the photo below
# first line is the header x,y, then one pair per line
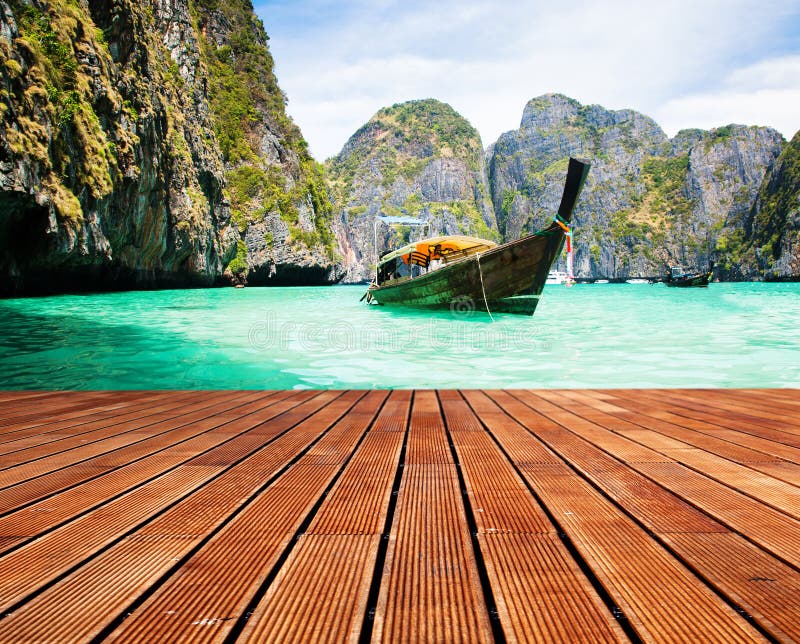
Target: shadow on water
x,y
58,351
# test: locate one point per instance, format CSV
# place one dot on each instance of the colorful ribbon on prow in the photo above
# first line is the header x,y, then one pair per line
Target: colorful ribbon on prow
x,y
565,226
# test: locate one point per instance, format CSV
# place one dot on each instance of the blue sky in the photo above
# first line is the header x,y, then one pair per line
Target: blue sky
x,y
686,63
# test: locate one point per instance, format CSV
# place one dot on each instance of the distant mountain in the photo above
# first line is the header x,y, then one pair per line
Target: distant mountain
x,y
649,201
418,159
147,144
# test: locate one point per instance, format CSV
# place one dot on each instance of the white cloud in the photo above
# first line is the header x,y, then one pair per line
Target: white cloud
x,y
774,73
687,63
764,93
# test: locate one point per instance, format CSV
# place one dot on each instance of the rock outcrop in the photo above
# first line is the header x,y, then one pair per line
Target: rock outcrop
x,y
418,159
649,201
769,245
124,163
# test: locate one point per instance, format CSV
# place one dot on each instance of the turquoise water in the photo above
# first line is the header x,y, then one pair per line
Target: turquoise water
x,y
729,335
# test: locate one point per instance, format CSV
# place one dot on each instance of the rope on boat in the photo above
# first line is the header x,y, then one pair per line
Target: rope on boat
x,y
483,288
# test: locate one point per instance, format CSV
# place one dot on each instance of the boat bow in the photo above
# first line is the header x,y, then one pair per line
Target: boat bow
x,y
506,278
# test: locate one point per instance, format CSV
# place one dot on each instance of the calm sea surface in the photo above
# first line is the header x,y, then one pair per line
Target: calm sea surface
x,y
729,335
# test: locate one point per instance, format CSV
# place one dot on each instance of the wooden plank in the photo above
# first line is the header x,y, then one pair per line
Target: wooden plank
x,y
766,588
542,595
39,517
40,562
772,530
431,589
637,405
540,591
192,600
647,414
29,482
778,494
721,416
321,592
38,467
666,431
67,407
20,404
715,412
293,516
181,439
713,458
732,401
501,501
786,398
57,429
656,507
359,502
320,595
13,398
46,444
633,493
625,559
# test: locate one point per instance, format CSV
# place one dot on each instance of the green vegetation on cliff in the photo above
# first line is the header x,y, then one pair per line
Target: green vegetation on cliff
x,y
778,200
249,110
665,198
242,85
148,138
403,139
47,106
431,124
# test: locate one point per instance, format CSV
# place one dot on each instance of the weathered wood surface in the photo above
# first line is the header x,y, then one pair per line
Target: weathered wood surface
x,y
603,515
508,278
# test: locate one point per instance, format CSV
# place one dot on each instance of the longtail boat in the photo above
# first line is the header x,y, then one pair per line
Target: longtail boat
x,y
677,277
464,273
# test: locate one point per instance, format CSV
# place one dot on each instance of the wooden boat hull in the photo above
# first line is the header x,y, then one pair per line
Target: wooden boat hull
x,y
506,279
696,279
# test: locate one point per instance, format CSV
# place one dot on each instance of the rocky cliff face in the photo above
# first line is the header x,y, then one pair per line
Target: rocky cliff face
x,y
769,245
278,196
114,167
419,159
649,201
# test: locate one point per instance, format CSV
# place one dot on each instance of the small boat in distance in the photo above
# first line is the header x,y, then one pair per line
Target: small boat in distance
x,y
677,277
556,277
466,273
637,280
601,282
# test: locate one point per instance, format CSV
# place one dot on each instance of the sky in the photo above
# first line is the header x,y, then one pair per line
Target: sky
x,y
685,63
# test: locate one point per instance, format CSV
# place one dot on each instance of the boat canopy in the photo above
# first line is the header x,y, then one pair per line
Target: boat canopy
x,y
409,221
424,251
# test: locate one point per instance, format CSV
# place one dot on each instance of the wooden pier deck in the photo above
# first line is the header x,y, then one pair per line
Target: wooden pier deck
x,y
613,515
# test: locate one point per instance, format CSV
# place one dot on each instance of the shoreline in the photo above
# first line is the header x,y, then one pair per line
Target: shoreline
x,y
179,283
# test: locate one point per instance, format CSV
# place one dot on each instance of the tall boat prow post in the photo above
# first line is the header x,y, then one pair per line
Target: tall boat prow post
x,y
460,272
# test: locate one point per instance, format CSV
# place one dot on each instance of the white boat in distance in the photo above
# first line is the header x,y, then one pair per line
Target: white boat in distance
x,y
556,277
637,280
601,281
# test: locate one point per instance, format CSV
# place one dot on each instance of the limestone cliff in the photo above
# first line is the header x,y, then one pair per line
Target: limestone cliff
x,y
114,167
419,159
278,196
769,245
649,201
